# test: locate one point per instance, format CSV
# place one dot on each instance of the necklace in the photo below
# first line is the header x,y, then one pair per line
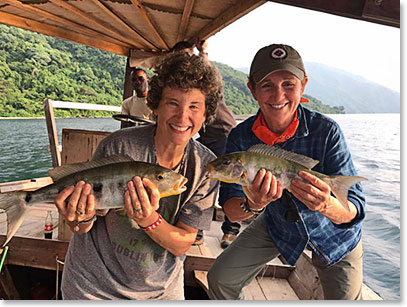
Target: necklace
x,y
179,168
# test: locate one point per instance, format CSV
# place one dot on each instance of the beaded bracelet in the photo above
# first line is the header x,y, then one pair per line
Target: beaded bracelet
x,y
155,224
246,208
92,219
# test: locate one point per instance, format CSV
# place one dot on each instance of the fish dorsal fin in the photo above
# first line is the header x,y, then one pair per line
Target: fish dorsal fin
x,y
284,154
68,169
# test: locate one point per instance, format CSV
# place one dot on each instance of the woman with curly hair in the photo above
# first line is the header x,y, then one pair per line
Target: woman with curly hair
x,y
118,256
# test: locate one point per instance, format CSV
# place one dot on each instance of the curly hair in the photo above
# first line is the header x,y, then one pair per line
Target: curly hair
x,y
183,71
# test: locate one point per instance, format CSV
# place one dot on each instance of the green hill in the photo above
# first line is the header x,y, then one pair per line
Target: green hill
x,y
237,94
34,67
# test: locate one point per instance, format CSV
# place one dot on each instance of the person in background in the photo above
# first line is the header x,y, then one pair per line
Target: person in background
x,y
307,216
138,253
214,137
136,105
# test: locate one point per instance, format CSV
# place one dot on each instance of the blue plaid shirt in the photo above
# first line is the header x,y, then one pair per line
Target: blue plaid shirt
x,y
320,138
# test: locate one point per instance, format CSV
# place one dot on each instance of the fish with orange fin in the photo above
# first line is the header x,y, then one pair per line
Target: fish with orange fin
x,y
108,178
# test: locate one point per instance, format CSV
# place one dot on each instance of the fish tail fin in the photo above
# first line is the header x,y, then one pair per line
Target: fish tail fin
x,y
15,206
340,186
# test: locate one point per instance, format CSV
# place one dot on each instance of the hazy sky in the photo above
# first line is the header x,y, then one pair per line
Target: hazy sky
x,y
362,48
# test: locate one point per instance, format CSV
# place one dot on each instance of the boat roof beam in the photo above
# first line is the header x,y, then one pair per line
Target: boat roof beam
x,y
98,24
127,29
143,13
186,15
68,23
31,25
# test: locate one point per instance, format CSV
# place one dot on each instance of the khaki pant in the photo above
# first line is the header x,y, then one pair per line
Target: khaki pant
x,y
236,267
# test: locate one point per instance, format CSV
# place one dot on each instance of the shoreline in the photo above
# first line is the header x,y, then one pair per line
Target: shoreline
x,y
237,117
43,117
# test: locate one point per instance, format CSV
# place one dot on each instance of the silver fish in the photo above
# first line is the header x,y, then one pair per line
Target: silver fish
x,y
108,178
242,167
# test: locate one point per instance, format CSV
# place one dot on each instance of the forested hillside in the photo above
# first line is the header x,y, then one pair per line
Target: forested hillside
x,y
237,94
34,67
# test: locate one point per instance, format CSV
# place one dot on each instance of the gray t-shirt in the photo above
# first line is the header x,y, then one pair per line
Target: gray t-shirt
x,y
115,259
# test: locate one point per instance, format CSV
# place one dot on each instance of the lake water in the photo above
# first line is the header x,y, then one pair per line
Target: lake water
x,y
374,141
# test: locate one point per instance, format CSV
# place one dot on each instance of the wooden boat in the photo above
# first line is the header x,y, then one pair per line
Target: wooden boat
x,y
278,280
141,31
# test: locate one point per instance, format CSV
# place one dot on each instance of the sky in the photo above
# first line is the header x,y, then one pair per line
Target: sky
x,y
363,48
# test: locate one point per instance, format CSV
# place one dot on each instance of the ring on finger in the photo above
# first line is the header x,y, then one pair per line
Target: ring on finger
x,y
138,209
79,212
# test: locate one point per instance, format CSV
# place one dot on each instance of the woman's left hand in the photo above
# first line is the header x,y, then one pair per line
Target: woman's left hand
x,y
314,193
141,201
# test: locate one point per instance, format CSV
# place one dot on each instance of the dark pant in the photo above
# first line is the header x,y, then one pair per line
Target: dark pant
x,y
199,235
230,228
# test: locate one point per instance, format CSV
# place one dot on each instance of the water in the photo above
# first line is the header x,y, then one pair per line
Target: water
x,y
374,141
24,145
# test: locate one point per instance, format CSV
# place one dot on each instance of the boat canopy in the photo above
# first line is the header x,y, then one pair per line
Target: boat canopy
x,y
152,27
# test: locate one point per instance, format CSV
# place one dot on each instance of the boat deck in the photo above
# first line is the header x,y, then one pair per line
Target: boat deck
x,y
262,288
276,283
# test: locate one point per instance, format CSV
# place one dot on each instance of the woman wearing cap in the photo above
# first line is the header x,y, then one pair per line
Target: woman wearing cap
x,y
308,217
139,253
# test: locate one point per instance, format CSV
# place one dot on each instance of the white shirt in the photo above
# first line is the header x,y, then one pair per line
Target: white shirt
x,y
137,106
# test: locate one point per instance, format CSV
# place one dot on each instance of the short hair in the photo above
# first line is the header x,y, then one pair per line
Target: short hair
x,y
184,71
136,69
181,45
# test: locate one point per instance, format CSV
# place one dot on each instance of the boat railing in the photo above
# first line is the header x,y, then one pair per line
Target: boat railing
x,y
50,105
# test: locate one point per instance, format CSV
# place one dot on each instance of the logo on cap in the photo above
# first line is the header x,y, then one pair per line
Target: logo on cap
x,y
278,53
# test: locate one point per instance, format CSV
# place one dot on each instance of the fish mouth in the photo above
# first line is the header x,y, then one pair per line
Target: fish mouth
x,y
180,187
212,175
222,179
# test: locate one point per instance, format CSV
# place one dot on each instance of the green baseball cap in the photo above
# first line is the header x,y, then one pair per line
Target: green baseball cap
x,y
276,57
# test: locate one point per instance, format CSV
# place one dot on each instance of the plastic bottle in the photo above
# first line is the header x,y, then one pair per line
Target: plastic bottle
x,y
48,226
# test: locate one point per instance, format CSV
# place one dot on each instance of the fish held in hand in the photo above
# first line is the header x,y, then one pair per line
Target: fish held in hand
x,y
108,178
242,167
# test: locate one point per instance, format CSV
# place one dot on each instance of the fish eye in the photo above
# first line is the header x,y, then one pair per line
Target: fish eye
x,y
226,162
160,177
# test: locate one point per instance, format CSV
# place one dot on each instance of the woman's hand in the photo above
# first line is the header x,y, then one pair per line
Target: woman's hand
x,y
201,45
81,206
312,192
141,201
264,189
316,195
